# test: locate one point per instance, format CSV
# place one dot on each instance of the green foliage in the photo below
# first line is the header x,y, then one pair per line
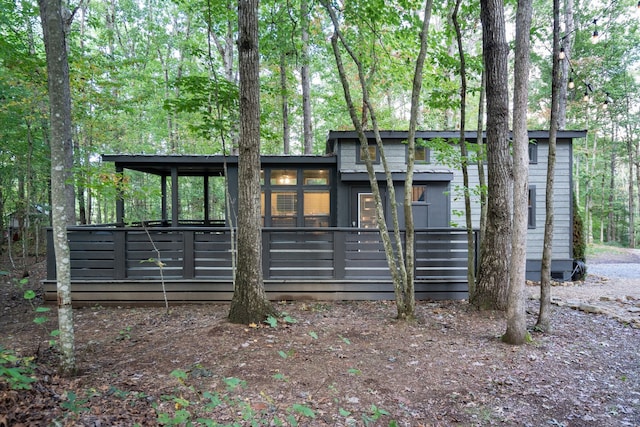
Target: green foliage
x,y
190,412
30,295
15,371
74,404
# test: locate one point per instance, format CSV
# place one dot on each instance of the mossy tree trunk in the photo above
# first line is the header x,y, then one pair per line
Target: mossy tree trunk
x,y
53,28
493,274
249,303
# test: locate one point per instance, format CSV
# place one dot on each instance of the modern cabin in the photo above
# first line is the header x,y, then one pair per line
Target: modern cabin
x,y
320,237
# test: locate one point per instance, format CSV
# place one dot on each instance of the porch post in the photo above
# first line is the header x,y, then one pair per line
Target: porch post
x,y
206,200
120,199
163,186
174,197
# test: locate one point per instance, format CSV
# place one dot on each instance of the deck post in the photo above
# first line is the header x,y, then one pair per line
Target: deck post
x,y
120,198
339,254
175,197
163,186
119,254
188,257
266,249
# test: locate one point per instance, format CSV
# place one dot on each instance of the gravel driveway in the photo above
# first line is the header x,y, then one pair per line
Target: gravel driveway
x,y
612,287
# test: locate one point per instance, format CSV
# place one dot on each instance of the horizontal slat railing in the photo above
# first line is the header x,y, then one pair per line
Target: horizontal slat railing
x,y
301,253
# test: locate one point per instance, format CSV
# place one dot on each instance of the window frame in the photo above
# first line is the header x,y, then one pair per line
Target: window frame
x,y
531,221
427,155
360,159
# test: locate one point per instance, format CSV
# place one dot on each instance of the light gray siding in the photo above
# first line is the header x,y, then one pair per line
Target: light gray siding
x,y
562,241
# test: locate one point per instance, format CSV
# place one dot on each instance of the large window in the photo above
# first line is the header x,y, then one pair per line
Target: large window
x,y
284,208
296,198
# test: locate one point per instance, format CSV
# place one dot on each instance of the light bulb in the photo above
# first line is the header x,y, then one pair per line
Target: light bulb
x,y
571,83
561,55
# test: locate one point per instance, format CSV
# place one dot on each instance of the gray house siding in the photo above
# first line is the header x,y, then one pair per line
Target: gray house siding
x,y
562,253
445,202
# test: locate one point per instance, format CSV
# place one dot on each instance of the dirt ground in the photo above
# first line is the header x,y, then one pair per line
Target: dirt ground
x,y
329,364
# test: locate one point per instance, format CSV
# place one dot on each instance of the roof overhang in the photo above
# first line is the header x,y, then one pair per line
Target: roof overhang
x,y
203,165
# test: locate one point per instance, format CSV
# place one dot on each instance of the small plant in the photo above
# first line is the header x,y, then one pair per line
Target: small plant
x,y
124,334
15,371
271,321
376,414
74,404
41,318
287,354
345,340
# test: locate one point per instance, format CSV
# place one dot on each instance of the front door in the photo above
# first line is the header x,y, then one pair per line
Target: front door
x,y
367,211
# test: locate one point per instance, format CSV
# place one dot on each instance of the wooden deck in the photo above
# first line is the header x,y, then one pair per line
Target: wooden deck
x,y
118,265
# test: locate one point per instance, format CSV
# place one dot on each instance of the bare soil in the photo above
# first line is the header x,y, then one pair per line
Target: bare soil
x,y
327,364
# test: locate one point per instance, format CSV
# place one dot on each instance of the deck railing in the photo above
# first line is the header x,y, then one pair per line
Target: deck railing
x,y
121,253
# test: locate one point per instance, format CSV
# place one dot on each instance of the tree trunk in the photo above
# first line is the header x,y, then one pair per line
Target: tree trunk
x,y
544,314
286,130
61,144
471,274
566,43
493,276
482,180
407,290
249,303
516,332
305,81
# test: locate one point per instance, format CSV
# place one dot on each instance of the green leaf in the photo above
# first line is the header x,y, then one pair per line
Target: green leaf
x,y
289,319
40,320
29,294
344,412
313,335
354,371
345,339
233,383
42,309
304,410
179,374
283,354
271,321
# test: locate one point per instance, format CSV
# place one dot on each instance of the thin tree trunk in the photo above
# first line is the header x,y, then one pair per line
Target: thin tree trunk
x,y
471,276
61,144
249,303
566,43
544,314
286,130
493,276
611,236
305,81
400,261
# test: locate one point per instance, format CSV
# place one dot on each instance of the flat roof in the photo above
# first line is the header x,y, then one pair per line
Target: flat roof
x,y
448,134
200,165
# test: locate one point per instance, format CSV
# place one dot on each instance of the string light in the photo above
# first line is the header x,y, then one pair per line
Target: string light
x,y
595,36
571,83
561,55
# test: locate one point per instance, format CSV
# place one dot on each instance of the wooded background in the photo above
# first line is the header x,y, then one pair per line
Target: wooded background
x,y
153,76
